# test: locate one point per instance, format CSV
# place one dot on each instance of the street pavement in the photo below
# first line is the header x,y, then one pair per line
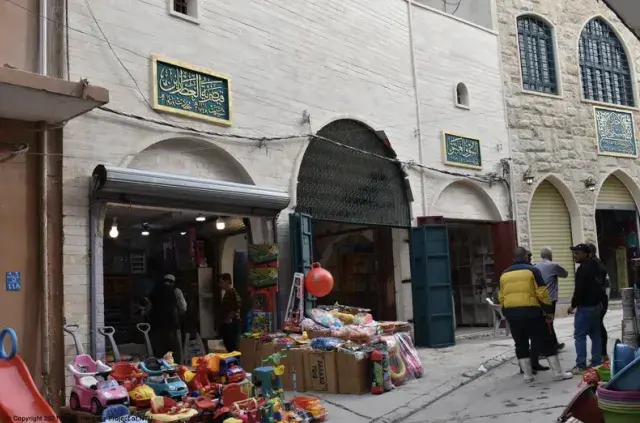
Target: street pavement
x,y
456,389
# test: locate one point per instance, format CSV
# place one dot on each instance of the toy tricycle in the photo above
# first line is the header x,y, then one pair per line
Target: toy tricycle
x,y
90,393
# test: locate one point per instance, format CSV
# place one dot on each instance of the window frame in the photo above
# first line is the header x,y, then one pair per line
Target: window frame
x,y
458,104
554,46
189,17
630,63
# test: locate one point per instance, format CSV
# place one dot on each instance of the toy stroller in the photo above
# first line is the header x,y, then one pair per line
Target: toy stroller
x,y
152,365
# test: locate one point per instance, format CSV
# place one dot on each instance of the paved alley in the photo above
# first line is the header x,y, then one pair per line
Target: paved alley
x,y
454,388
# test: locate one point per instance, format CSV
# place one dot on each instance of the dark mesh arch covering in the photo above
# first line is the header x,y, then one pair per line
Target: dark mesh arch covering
x,y
339,184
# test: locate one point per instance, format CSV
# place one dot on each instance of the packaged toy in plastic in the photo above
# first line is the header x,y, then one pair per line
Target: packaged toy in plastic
x,y
325,318
326,344
409,354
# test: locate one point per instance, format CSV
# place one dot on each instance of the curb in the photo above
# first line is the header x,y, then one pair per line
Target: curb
x,y
452,385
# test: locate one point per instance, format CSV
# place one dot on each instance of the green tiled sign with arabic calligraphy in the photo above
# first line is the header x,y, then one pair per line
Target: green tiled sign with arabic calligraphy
x,y
615,132
461,151
191,91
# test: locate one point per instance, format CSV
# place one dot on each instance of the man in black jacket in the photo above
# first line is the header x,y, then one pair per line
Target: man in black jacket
x,y
587,305
604,280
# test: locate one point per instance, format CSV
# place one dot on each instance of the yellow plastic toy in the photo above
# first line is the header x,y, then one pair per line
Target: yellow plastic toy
x,y
232,420
165,409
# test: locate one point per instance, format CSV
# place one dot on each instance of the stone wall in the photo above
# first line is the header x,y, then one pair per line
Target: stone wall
x,y
555,135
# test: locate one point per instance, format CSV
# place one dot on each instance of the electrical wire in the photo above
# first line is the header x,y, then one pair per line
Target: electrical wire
x,y
489,178
453,116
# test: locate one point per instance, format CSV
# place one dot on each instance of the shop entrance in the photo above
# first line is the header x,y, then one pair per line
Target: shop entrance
x,y
351,195
617,232
207,236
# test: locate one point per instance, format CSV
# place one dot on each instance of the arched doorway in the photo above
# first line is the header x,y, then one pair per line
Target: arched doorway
x,y
617,231
349,183
550,226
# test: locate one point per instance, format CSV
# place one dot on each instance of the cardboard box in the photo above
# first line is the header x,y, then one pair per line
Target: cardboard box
x,y
354,373
320,371
288,362
249,353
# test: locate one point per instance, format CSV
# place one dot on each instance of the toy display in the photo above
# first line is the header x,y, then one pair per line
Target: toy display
x,y
118,414
132,379
295,307
311,405
93,390
165,409
223,368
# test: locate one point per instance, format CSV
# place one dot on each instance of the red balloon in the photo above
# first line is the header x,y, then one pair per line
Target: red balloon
x,y
318,281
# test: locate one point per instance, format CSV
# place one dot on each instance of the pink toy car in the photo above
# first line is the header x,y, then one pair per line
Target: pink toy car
x,y
91,393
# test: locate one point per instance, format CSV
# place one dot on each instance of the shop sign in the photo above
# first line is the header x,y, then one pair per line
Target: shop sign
x,y
615,132
13,281
191,91
461,151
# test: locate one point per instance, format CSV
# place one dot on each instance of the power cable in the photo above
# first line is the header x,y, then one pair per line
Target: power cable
x,y
146,58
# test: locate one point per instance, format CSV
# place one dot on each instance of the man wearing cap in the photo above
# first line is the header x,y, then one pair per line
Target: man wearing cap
x,y
522,296
587,305
164,308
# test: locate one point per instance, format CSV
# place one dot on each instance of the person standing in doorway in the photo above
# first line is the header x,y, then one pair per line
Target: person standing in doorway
x,y
606,284
230,314
587,306
522,294
551,271
164,308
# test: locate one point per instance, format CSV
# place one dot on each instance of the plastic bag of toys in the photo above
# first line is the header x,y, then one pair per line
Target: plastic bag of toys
x,y
409,354
398,369
355,333
325,318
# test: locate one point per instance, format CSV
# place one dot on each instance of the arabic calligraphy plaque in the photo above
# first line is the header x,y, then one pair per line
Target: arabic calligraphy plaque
x,y
462,151
191,91
615,132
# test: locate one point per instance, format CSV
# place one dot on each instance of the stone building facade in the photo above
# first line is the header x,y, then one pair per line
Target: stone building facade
x,y
295,68
553,131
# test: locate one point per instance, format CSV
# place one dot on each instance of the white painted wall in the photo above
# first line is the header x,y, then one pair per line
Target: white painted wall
x,y
331,58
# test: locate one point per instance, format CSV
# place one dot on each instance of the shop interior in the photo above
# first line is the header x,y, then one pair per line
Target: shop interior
x,y
142,244
472,272
360,258
618,246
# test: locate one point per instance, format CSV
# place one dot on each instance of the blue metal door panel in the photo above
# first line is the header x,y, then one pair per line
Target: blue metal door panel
x,y
433,312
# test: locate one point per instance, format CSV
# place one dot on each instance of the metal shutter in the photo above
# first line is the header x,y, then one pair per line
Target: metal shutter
x,y
550,226
614,193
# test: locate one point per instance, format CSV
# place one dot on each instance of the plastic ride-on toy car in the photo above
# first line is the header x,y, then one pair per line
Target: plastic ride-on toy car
x,y
92,394
162,380
132,379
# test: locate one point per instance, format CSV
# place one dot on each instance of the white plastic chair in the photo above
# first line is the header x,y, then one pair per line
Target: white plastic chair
x,y
498,318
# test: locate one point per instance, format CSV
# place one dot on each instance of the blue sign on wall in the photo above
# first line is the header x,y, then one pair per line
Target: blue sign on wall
x,y
191,91
461,151
615,132
13,281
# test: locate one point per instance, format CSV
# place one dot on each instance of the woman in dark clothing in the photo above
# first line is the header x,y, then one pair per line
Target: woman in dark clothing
x,y
230,313
604,280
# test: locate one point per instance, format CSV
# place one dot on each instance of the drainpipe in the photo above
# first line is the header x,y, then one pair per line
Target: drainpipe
x,y
44,206
94,218
414,72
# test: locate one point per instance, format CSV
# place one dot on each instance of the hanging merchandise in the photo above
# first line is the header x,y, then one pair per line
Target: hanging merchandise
x,y
295,307
263,265
318,282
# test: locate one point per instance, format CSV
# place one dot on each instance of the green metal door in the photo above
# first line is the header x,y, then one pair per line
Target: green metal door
x,y
433,313
301,242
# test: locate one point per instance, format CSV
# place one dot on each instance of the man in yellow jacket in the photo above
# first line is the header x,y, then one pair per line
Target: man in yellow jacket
x,y
523,297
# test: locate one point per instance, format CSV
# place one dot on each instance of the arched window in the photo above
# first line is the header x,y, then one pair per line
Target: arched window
x,y
462,95
537,58
604,67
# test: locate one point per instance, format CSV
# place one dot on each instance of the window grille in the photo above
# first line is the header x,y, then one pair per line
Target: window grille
x,y
537,59
181,6
604,67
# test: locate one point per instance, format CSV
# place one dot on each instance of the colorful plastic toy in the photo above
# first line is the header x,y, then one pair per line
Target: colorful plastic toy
x,y
269,383
312,406
165,409
198,380
223,368
19,395
397,367
119,414
170,386
318,282
89,392
129,376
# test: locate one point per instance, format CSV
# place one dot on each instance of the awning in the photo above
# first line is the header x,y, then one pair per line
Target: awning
x,y
628,11
33,97
133,186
